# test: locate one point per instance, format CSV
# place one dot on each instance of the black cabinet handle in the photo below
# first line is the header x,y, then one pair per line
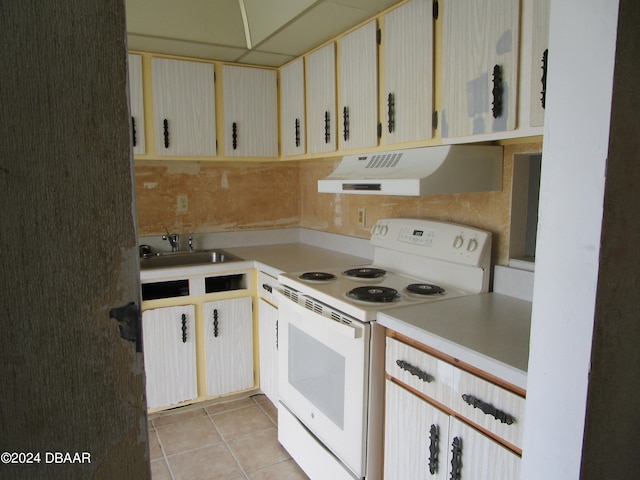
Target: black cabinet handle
x,y
297,125
276,334
498,91
543,79
413,370
327,127
345,123
234,135
133,131
166,133
433,449
268,288
184,328
456,458
488,409
391,112
215,322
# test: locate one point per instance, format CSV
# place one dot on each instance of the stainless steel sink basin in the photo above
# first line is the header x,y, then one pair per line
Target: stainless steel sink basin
x,y
177,259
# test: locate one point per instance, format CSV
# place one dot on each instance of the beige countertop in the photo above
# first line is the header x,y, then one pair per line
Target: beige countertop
x,y
272,259
489,331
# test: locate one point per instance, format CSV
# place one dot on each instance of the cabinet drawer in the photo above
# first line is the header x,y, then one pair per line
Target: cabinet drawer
x,y
496,409
266,286
419,370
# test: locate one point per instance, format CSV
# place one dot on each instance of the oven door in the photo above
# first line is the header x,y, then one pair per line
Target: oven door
x,y
323,375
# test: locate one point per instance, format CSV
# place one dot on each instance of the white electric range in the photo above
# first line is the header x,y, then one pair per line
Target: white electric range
x,y
331,351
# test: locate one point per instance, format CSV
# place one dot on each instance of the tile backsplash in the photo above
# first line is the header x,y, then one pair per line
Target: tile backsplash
x,y
224,197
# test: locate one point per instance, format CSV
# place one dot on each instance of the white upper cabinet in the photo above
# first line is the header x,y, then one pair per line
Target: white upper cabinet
x,y
480,66
321,99
137,105
539,52
292,119
184,107
408,73
358,112
250,111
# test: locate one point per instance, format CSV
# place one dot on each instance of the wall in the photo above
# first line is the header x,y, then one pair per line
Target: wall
x,y
241,196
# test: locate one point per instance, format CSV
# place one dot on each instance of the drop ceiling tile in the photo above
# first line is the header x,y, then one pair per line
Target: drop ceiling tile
x,y
216,22
267,59
266,17
317,26
186,49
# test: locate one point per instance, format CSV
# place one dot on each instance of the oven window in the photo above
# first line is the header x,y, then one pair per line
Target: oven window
x,y
318,373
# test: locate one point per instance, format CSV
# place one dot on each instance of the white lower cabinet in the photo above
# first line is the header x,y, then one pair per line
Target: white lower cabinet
x,y
228,345
422,441
268,332
442,422
169,344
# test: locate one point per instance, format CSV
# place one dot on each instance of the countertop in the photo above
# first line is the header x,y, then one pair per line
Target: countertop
x,y
489,331
272,259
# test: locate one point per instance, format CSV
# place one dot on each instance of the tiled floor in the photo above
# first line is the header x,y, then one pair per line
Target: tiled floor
x,y
236,440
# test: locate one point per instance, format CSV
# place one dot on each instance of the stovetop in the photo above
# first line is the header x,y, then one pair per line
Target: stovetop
x,y
442,259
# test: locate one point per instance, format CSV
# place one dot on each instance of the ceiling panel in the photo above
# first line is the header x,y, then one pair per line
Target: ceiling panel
x,y
214,29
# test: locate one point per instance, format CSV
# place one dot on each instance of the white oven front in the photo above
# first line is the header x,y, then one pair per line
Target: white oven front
x,y
324,374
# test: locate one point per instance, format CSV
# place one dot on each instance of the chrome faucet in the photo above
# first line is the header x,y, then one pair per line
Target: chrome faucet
x,y
173,238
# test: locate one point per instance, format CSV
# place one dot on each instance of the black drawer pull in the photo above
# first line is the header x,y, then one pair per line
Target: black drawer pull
x,y
327,127
488,409
413,370
433,449
184,328
297,127
166,133
498,91
543,79
456,458
391,113
215,322
234,135
345,123
133,131
267,287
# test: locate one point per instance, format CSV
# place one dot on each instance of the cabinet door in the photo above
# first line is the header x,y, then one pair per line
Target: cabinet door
x,y
184,104
228,345
250,112
359,88
540,45
480,458
292,120
416,436
408,72
169,355
268,333
478,36
137,106
321,99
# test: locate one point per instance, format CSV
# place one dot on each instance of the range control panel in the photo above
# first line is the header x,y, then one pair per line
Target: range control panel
x,y
442,240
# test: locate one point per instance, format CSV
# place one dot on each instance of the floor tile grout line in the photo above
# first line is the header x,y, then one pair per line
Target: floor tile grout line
x,y
224,440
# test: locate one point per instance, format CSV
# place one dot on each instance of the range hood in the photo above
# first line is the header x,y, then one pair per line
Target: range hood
x,y
418,171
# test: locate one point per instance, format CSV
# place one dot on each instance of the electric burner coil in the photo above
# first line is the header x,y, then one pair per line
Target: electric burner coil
x,y
374,294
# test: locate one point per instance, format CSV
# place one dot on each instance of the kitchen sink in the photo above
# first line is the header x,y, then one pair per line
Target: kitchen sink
x,y
178,259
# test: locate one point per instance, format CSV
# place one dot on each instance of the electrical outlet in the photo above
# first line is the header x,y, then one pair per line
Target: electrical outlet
x,y
183,203
361,216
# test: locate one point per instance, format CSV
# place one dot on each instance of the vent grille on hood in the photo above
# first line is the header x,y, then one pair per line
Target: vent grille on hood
x,y
387,160
419,171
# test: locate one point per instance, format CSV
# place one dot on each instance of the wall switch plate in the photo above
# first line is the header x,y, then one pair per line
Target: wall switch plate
x,y
361,216
183,203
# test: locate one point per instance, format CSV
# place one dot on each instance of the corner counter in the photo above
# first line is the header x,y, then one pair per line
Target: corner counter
x,y
489,331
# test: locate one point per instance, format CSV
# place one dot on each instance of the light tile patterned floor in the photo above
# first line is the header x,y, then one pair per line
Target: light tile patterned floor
x,y
236,440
